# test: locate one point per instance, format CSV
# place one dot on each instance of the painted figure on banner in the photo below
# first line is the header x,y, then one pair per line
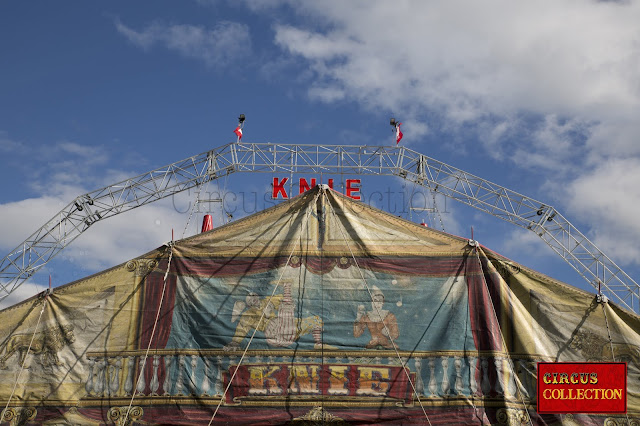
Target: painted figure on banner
x,y
275,317
382,324
596,348
46,343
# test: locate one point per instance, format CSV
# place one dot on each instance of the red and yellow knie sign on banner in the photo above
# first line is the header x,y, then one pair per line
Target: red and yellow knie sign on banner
x,y
582,387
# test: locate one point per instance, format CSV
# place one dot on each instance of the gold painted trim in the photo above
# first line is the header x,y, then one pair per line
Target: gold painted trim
x,y
325,403
325,253
327,353
302,401
146,400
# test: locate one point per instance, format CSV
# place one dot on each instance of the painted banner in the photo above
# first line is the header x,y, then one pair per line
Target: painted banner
x,y
321,309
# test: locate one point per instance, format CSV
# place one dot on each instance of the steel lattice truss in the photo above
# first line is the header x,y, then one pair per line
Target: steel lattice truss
x,y
589,261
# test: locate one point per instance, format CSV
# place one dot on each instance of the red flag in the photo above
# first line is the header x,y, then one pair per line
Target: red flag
x,y
398,133
238,132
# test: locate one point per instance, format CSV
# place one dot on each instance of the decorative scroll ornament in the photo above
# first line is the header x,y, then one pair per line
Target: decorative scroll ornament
x,y
119,414
141,267
511,417
620,421
318,416
18,415
295,261
131,265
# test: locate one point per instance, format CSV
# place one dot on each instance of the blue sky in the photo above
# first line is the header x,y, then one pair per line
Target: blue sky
x,y
542,98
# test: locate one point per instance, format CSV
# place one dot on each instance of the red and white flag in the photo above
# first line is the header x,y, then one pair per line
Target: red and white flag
x,y
238,132
398,133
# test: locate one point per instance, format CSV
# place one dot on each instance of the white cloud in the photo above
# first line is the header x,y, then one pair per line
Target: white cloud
x,y
90,155
25,291
22,218
555,144
496,58
314,46
326,94
220,46
609,198
143,39
9,145
67,169
616,136
526,244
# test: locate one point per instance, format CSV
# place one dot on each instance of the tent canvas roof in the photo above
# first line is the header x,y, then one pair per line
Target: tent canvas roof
x,y
305,311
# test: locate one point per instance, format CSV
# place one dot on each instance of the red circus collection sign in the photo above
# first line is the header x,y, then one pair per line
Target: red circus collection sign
x,y
582,387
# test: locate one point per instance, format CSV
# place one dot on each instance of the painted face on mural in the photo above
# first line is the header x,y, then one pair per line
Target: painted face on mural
x,y
252,300
378,302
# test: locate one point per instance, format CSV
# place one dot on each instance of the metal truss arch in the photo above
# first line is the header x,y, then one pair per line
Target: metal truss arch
x,y
538,217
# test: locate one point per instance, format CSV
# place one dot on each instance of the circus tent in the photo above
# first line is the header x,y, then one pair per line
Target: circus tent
x,y
319,310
